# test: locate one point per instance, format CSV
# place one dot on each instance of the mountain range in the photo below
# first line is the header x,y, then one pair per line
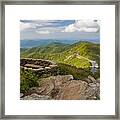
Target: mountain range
x,y
79,54
42,42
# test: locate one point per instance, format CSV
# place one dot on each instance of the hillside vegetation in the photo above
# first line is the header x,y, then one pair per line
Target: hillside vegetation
x,y
75,55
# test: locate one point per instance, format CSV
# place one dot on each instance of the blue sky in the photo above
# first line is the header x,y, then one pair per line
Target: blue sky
x,y
59,29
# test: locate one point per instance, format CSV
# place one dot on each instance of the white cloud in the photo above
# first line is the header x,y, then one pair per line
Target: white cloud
x,y
36,24
24,26
83,26
43,32
29,25
70,28
88,29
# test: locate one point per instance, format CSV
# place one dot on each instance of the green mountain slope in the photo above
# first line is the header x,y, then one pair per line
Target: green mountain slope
x,y
51,48
80,54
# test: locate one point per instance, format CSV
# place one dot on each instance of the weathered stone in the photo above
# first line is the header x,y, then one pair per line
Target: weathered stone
x,y
37,90
69,77
92,85
63,87
47,84
52,82
32,65
40,67
35,96
21,94
47,68
91,78
87,80
92,92
98,84
36,63
51,66
72,90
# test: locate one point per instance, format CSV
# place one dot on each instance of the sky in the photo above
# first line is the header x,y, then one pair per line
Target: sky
x,y
59,29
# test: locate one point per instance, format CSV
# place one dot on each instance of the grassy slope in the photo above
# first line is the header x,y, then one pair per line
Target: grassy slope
x,y
66,54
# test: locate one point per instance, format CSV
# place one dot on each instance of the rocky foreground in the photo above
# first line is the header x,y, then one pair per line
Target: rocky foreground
x,y
64,87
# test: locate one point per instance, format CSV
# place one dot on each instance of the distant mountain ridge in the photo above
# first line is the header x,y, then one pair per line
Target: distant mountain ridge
x,y
42,42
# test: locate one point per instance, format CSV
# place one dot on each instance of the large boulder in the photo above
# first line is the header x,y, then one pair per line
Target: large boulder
x,y
72,90
64,87
48,86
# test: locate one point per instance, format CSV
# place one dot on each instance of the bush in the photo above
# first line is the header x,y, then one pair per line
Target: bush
x,y
78,73
28,79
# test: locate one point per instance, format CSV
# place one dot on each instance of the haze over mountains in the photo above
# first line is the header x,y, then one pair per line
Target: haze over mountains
x,y
40,42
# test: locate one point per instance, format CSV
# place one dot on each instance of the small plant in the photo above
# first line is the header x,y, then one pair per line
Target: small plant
x,y
28,79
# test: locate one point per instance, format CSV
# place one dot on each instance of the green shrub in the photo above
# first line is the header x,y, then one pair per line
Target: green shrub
x,y
28,79
78,73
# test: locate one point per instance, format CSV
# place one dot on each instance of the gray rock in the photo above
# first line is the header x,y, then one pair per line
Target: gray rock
x,y
47,68
98,84
64,87
21,94
35,96
92,85
72,90
92,78
87,80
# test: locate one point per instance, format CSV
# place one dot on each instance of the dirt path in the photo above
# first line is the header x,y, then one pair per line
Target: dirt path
x,y
94,64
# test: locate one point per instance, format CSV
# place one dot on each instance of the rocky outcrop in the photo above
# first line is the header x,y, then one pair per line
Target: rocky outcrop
x,y
35,61
35,96
64,88
36,64
41,67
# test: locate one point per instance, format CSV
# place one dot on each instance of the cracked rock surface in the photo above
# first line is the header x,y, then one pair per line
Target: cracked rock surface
x,y
64,87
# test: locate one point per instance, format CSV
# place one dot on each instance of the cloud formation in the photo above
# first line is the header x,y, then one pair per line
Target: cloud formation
x,y
44,24
83,26
43,32
59,29
24,26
